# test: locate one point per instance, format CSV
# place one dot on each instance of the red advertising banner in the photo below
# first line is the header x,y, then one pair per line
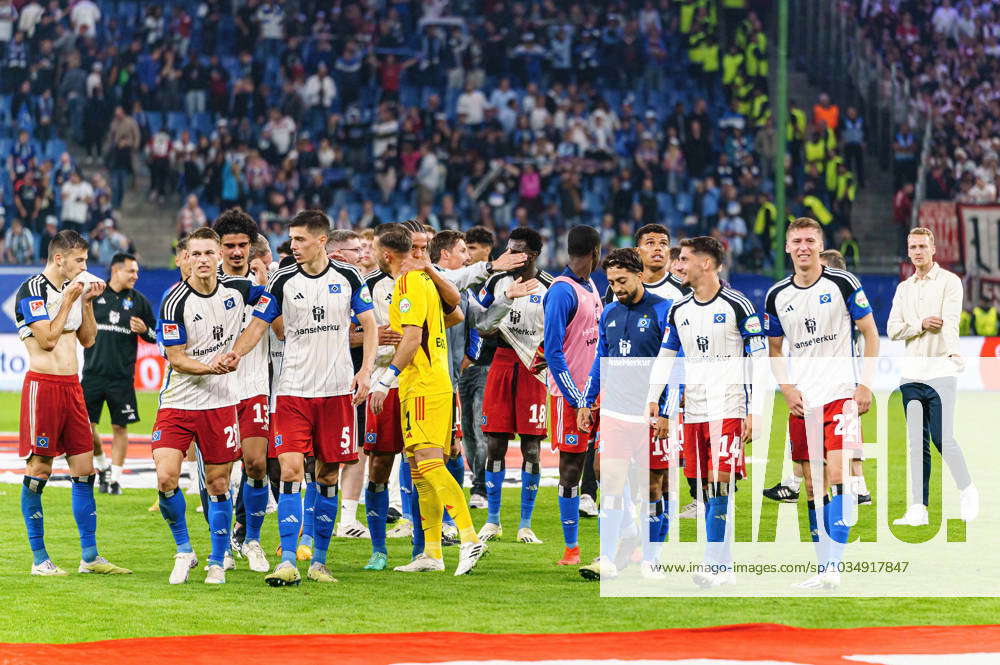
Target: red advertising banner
x,y
941,217
150,367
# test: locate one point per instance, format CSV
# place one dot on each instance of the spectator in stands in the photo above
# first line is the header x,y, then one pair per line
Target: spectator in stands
x,y
84,17
27,200
902,211
733,229
123,140
18,244
904,155
190,217
937,185
984,318
77,195
853,137
159,153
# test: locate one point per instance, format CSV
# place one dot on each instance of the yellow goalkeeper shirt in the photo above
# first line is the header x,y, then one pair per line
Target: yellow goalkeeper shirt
x,y
415,302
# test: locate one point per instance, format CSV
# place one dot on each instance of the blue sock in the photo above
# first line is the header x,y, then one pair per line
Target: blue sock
x,y
85,514
406,490
326,515
418,526
611,516
309,513
34,520
665,523
255,505
173,508
813,523
839,531
569,514
530,478
495,474
289,519
377,511
220,519
715,529
651,550
457,468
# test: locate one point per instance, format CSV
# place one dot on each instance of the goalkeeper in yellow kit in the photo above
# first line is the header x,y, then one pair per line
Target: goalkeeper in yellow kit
x,y
426,406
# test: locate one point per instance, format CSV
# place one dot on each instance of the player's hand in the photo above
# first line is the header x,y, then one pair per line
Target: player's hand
x,y
218,366
411,263
361,386
96,289
521,288
231,360
583,419
661,427
932,323
863,398
747,435
137,325
466,362
509,261
72,292
794,400
259,271
388,337
456,448
377,398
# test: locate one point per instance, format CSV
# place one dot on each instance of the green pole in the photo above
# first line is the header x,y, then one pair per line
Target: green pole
x,y
780,139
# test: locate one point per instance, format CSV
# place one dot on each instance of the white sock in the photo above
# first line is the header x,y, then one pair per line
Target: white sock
x,y
101,462
348,511
794,482
860,486
116,473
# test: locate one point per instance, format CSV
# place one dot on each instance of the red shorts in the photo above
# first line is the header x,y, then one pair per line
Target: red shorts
x,y
217,432
628,440
566,438
514,400
714,445
840,426
54,417
254,417
320,426
384,432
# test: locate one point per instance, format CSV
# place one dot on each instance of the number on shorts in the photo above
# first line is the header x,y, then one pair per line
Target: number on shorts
x,y
731,447
260,413
345,438
232,436
537,414
846,427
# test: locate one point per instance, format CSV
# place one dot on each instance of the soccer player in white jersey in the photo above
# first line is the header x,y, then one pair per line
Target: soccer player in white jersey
x,y
238,236
54,311
787,491
514,399
716,328
314,414
652,241
200,319
816,311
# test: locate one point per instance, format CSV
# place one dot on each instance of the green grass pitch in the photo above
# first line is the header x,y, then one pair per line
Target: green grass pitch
x,y
517,588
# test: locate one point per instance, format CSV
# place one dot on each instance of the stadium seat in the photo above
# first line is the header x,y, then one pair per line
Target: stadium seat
x,y
177,121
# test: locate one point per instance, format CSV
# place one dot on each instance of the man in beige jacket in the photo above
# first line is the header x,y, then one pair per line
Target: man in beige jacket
x,y
925,313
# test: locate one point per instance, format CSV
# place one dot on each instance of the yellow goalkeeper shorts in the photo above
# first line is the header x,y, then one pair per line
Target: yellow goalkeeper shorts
x,y
427,421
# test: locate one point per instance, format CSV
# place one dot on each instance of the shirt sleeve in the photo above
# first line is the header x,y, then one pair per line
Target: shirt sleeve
x,y
412,301
170,329
858,304
31,305
558,305
146,314
772,324
361,296
593,387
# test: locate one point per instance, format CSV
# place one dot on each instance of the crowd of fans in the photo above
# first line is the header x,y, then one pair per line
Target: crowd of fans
x,y
459,113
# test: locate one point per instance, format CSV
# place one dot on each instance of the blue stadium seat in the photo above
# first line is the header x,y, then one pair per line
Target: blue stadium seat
x,y
202,123
176,122
155,119
55,148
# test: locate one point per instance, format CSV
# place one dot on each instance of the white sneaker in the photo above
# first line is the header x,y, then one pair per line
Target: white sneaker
x,y
256,557
692,511
490,531
710,580
650,570
272,505
969,508
216,575
468,555
588,507
601,568
183,563
449,531
354,529
528,536
47,569
422,564
402,529
828,580
916,515
477,501
228,562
